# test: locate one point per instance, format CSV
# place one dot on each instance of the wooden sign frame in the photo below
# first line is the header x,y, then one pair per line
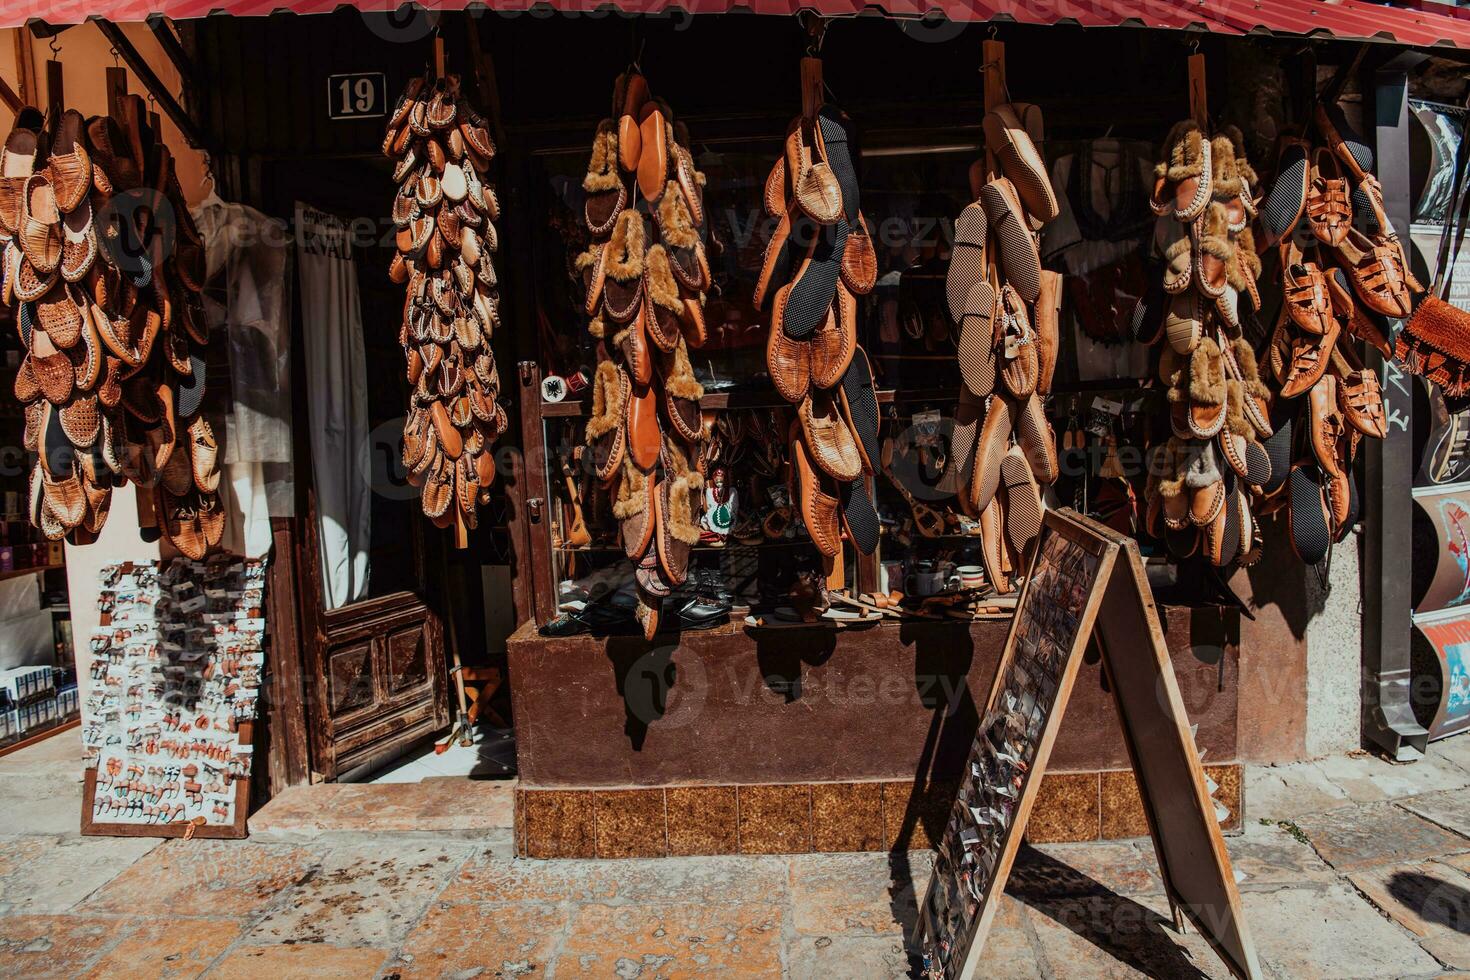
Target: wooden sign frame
x,y
1118,612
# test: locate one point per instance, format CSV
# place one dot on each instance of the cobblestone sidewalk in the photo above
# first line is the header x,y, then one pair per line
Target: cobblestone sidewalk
x,y
1352,868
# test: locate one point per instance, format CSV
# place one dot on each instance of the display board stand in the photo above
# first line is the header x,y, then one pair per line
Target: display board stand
x,y
1087,583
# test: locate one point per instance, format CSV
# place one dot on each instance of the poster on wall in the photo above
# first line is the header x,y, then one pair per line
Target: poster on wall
x,y
1441,663
175,673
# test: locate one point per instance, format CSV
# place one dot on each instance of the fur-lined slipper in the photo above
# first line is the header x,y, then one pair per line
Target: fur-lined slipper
x,y
1227,305
662,303
633,342
1214,253
1167,474
606,429
1182,182
633,507
682,393
1183,324
678,524
691,181
622,290
1207,391
1204,483
695,331
1178,259
1255,397
681,238
1243,273
1250,182
1227,183
606,193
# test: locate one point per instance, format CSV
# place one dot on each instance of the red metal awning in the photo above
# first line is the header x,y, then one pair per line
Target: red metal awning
x,y
1420,27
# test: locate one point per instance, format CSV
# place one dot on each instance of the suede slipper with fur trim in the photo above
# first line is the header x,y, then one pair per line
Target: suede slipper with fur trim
x,y
633,507
1213,251
1241,365
1203,483
678,526
682,393
662,304
606,428
1182,182
1207,391
607,195
681,238
622,261
1226,184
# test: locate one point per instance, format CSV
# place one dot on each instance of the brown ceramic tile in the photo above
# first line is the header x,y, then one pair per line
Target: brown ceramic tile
x,y
559,823
775,819
1066,809
519,825
630,823
847,816
1122,807
701,820
1231,793
915,822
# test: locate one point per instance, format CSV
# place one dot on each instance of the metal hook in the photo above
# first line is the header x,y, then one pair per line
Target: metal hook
x,y
55,46
994,32
1194,46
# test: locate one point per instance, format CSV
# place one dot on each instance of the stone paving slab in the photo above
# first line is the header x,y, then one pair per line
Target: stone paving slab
x,y
1431,900
475,808
364,895
1328,933
1353,838
1283,792
168,949
53,874
1450,810
673,941
310,962
1115,936
853,896
1366,778
1270,856
455,939
205,878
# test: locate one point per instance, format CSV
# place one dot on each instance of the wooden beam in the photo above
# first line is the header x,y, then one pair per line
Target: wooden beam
x,y
7,95
152,83
173,50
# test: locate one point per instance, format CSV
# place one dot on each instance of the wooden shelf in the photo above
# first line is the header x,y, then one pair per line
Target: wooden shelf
x,y
33,570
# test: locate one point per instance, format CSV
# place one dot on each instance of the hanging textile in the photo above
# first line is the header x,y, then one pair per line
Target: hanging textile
x,y
336,398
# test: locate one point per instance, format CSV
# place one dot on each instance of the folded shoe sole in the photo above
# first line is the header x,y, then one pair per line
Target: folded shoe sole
x,y
815,284
1019,258
966,262
832,138
1307,514
1021,162
962,439
1022,505
860,407
990,449
976,346
1283,207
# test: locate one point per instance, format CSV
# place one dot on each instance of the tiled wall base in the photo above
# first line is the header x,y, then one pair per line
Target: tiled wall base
x,y
789,819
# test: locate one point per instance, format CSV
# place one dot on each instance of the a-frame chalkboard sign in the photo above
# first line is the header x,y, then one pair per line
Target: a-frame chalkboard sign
x,y
1087,581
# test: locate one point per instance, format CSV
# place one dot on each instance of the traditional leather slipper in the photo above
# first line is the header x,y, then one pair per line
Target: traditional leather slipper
x,y
653,153
606,428
1304,290
1287,201
632,341
1255,405
53,370
1022,505
663,305
81,421
775,261
859,259
1178,252
1308,357
1204,484
815,284
1325,425
1351,151
634,96
1183,181
859,404
1213,253
818,507
79,244
1047,326
990,449
1035,437
18,162
40,224
1020,160
1207,390
976,348
634,509
1228,189
1358,393
833,344
829,440
1221,538
1018,358
833,143
788,361
1020,259
1182,322
1308,516
992,546
58,316
607,195
1378,274
682,393
678,530
622,265
814,185
1243,273
1329,210
643,432
966,262
681,239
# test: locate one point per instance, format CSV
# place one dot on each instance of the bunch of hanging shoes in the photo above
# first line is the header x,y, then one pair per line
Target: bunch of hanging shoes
x,y
445,214
645,274
1006,307
1345,278
103,267
1203,481
819,261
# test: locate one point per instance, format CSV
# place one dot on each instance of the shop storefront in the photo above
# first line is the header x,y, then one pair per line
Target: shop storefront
x,y
729,604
